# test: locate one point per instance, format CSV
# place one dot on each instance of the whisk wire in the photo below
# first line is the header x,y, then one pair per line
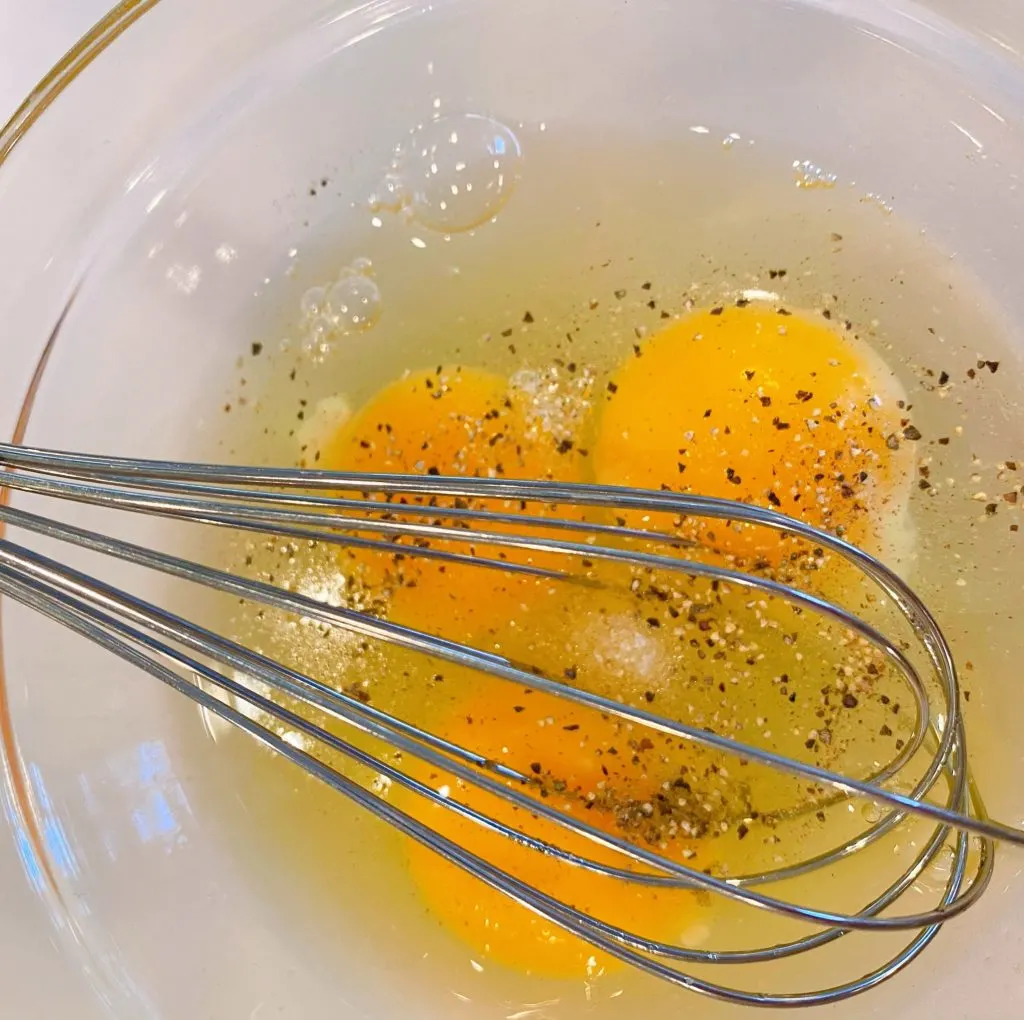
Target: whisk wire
x,y
291,504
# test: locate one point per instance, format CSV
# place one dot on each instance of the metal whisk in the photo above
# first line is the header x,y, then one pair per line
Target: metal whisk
x,y
442,518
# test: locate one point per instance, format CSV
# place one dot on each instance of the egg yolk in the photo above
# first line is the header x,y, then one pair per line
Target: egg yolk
x,y
467,422
579,762
760,406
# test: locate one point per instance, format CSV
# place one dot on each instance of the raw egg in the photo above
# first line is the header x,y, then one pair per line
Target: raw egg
x,y
579,762
762,406
462,422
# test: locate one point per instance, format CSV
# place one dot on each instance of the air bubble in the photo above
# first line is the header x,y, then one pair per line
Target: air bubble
x,y
453,174
360,266
313,301
810,175
354,303
871,812
351,304
390,195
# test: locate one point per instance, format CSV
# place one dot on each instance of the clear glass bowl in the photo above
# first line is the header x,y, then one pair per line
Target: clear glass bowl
x,y
164,169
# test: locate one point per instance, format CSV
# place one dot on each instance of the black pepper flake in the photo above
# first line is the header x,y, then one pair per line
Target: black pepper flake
x,y
765,401
773,499
892,442
653,621
885,731
649,696
571,727
943,378
742,302
257,349
804,395
991,508
944,441
779,424
569,672
992,366
776,274
707,413
849,700
717,310
612,388
912,433
620,294
782,311
749,373
518,708
564,446
506,333
741,830
535,767
646,285
527,318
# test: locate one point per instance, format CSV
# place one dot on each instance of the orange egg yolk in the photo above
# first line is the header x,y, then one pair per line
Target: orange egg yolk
x,y
581,763
760,406
467,422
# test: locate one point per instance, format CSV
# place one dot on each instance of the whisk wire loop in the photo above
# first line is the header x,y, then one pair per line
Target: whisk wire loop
x,y
404,512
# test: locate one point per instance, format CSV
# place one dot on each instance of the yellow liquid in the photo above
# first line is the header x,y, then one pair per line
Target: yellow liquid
x,y
588,302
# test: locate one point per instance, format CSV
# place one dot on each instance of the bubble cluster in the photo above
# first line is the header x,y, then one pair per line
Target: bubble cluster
x,y
453,174
350,304
810,175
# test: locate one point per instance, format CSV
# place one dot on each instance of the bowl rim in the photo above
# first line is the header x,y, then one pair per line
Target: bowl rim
x,y
115,22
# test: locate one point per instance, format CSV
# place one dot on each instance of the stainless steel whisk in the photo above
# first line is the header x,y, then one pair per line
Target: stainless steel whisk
x,y
298,505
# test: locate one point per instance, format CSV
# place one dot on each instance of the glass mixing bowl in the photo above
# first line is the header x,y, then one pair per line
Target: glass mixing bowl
x,y
166,170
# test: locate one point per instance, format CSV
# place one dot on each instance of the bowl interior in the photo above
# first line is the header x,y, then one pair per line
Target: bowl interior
x,y
182,250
